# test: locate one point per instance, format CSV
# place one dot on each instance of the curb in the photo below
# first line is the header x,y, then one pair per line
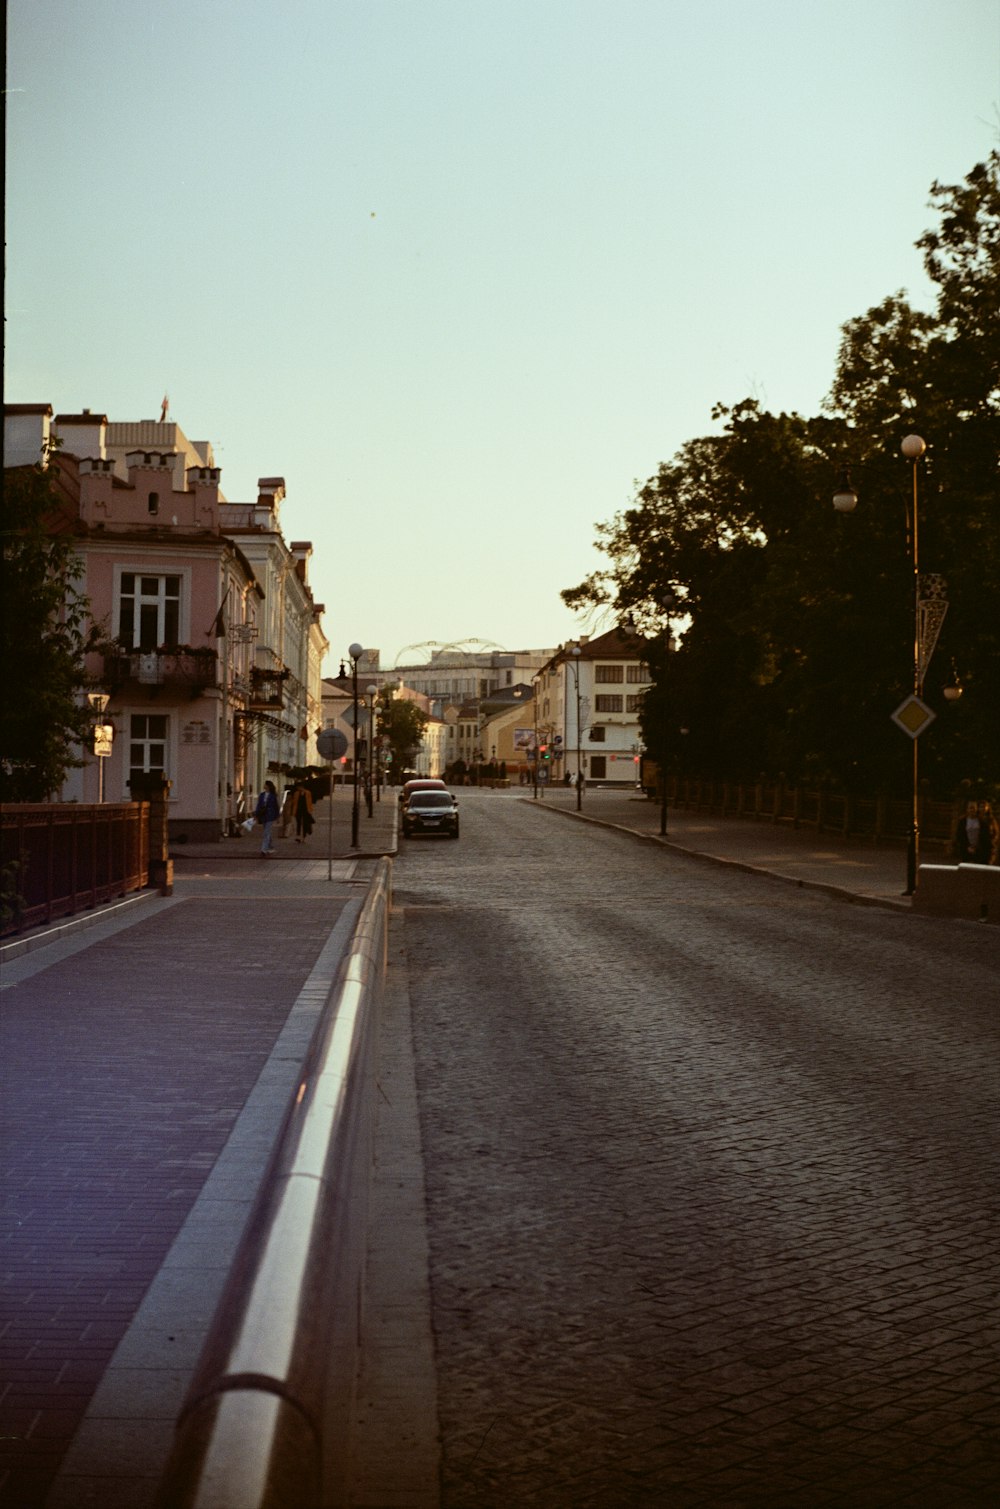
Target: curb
x,y
839,893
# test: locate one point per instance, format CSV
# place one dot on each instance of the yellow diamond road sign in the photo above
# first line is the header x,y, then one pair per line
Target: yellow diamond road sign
x,y
913,716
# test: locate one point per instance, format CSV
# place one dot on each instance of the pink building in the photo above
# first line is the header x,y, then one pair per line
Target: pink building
x,y
197,685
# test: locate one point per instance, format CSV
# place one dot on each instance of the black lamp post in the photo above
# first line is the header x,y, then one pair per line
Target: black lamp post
x,y
371,690
929,608
355,651
536,683
579,770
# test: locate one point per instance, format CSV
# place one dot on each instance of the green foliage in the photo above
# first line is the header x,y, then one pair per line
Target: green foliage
x,y
46,633
797,622
403,723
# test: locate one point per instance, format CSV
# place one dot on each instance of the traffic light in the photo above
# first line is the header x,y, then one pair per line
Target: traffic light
x,y
545,752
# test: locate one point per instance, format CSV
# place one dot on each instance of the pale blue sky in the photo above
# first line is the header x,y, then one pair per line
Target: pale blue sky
x,y
462,270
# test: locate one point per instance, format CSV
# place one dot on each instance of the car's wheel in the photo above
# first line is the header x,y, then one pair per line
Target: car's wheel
x,y
455,833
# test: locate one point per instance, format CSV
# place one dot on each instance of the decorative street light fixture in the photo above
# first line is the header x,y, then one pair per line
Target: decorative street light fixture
x,y
575,663
355,650
930,604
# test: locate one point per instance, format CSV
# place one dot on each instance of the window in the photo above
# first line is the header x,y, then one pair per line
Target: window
x,y
147,749
149,610
608,703
609,673
598,768
154,503
633,704
597,734
638,673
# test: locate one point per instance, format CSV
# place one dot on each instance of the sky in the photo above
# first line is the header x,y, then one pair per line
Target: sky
x,y
464,271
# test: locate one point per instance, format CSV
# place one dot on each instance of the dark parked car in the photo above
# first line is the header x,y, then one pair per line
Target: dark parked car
x,y
420,783
430,812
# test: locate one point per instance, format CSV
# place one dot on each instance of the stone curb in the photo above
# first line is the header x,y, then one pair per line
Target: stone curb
x,y
839,893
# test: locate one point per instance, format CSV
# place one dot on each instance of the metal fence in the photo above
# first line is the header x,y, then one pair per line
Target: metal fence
x,y
815,807
57,859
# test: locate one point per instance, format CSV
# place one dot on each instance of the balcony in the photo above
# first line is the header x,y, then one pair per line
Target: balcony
x,y
178,669
267,685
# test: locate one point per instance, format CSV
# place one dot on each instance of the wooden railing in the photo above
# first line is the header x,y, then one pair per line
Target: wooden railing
x,y
57,859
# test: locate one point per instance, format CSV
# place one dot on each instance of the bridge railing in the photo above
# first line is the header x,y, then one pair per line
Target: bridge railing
x,y
61,858
266,1420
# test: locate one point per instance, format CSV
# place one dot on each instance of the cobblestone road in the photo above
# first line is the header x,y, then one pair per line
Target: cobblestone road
x,y
712,1180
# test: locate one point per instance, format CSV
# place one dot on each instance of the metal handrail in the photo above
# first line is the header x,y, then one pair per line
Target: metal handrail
x,y
266,1419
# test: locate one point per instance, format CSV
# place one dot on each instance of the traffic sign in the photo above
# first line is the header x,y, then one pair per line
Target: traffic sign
x,y
913,716
331,743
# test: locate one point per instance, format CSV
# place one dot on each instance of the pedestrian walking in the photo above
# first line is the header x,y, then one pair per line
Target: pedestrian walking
x,y
302,804
974,836
267,813
287,810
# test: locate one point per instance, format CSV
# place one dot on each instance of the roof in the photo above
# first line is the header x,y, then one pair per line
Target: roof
x,y
616,644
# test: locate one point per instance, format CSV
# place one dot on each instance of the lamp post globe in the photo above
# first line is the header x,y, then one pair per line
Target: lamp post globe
x,y
913,447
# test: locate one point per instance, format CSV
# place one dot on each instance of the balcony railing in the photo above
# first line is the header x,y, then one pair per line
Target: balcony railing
x,y
267,687
185,669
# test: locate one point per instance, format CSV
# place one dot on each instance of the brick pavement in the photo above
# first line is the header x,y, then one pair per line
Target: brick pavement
x,y
854,867
133,1052
710,1167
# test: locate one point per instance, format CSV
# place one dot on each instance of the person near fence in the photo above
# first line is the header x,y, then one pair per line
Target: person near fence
x,y
302,805
267,813
974,837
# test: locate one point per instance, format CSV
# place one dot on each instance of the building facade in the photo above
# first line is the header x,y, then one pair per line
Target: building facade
x,y
589,699
209,673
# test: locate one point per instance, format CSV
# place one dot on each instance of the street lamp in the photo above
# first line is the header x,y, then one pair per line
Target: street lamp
x,y
929,608
355,651
535,684
575,663
371,691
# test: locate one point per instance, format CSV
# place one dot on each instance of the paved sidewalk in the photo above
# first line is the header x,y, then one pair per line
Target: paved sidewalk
x,y
332,834
857,868
147,1061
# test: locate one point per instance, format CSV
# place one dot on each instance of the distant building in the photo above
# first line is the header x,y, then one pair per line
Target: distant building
x,y
589,705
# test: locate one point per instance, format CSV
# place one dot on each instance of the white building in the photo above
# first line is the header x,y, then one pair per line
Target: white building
x,y
589,697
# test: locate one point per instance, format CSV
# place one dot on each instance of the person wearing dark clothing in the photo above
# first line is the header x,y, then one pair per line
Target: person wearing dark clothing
x,y
974,836
267,813
302,805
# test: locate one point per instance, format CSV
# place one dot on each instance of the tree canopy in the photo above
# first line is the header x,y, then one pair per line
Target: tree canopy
x,y
796,623
402,723
45,633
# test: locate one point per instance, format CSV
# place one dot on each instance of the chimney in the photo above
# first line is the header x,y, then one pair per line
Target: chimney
x,y
302,550
27,428
83,434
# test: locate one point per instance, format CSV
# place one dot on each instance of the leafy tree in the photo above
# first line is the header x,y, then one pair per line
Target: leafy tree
x,y
797,623
403,723
46,633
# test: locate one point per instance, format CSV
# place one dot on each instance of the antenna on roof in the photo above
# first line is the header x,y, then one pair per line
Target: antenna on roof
x,y
164,406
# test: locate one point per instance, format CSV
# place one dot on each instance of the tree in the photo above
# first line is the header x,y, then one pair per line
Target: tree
x,y
46,633
402,723
796,624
